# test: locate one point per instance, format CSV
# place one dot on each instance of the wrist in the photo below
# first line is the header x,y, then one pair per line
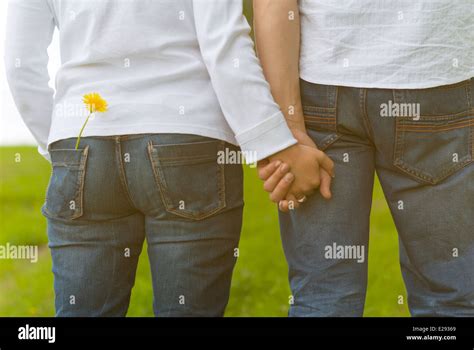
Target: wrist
x,y
283,155
296,128
295,118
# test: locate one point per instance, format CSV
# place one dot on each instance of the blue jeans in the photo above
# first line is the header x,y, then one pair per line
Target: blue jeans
x,y
104,199
425,164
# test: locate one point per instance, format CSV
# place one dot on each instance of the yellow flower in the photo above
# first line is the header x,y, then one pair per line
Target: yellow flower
x,y
95,103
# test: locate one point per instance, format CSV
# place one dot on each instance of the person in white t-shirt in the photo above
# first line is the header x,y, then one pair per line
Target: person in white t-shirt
x,y
387,87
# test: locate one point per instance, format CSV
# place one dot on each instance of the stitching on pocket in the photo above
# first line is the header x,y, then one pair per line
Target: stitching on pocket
x,y
433,128
400,96
316,117
401,131
79,186
166,196
186,160
319,110
82,180
430,179
403,126
322,120
329,141
157,175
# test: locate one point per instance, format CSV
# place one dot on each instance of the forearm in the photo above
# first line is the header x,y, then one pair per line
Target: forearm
x,y
277,30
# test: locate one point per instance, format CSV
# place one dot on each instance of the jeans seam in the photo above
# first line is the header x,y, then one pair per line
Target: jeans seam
x,y
471,141
121,172
156,175
365,116
398,148
435,129
471,108
468,93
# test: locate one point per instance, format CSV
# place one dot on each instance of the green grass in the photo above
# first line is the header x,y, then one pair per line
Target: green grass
x,y
259,287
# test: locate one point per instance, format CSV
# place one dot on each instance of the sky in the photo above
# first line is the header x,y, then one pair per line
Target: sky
x,y
12,129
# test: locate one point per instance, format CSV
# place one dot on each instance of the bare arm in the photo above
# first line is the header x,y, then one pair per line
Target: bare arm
x,y
278,34
277,30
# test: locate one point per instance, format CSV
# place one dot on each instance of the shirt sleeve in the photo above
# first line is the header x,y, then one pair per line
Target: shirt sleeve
x,y
30,28
237,77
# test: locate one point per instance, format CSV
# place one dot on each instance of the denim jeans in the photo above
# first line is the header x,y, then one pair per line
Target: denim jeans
x,y
106,198
425,165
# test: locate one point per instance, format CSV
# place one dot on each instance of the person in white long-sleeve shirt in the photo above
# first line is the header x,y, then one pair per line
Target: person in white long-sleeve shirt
x,y
182,84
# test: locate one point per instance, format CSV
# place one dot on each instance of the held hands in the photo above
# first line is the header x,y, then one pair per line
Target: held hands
x,y
297,172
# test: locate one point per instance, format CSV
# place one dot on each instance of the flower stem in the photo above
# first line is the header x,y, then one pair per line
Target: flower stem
x,y
82,130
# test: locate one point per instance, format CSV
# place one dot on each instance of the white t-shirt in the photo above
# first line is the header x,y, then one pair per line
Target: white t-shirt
x,y
164,66
396,44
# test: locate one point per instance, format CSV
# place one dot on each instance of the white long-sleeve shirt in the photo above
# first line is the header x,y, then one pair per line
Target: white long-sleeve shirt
x,y
164,66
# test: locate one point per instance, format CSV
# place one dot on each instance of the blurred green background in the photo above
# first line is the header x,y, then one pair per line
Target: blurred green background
x,y
259,287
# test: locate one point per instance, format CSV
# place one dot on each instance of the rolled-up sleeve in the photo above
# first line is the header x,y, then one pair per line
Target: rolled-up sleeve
x,y
237,78
30,28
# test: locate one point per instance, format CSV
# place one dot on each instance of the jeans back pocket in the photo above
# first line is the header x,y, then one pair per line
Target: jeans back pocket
x,y
320,112
189,178
65,194
437,142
